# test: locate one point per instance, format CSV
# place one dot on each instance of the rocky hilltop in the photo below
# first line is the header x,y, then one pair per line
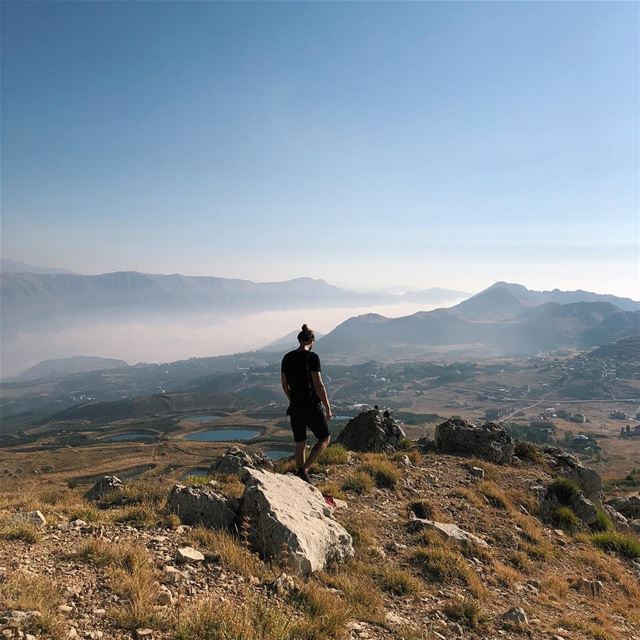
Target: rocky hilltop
x,y
469,535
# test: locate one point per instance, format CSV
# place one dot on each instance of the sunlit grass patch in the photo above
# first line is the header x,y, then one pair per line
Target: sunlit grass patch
x,y
259,619
467,612
384,473
469,496
358,481
229,551
19,530
28,592
322,609
592,630
521,561
441,564
361,530
395,580
603,522
495,495
504,574
332,489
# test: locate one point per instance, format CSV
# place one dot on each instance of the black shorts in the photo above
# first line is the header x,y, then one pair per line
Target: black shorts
x,y
311,417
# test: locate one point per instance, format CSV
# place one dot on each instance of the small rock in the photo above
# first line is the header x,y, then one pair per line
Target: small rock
x,y
189,555
477,472
516,615
144,634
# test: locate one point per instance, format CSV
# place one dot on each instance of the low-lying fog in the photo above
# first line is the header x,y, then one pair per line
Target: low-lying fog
x,y
163,339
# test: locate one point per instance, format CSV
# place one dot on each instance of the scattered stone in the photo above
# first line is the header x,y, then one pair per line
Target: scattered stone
x,y
144,634
590,587
189,555
282,585
477,472
235,459
288,516
446,530
371,431
516,615
107,485
199,504
165,597
171,574
489,441
36,518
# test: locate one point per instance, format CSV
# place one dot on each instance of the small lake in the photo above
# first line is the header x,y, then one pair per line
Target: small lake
x,y
203,418
277,454
195,472
222,434
125,437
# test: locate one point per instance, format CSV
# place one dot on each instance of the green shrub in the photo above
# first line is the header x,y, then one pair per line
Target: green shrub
x,y
603,523
565,518
564,489
334,454
625,544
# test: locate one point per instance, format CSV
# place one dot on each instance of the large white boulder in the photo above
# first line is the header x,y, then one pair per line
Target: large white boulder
x,y
288,518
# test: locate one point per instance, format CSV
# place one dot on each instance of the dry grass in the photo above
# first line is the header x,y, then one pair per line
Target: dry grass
x,y
555,586
592,630
359,482
260,619
223,547
492,471
325,614
467,612
624,544
332,455
17,530
470,496
360,593
505,575
28,592
395,580
332,489
442,564
361,530
495,495
106,554
384,473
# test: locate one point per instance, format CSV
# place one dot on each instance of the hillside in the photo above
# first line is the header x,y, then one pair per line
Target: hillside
x,y
67,366
400,584
504,319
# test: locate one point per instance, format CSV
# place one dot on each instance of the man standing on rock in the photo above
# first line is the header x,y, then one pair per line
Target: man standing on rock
x,y
303,386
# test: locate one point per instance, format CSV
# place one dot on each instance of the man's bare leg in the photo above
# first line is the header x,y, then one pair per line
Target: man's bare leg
x,y
317,450
301,449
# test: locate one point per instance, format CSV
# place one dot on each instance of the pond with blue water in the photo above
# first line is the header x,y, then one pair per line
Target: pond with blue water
x,y
277,454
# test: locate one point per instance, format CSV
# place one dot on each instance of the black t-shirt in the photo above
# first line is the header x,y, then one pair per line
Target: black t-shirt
x,y
297,366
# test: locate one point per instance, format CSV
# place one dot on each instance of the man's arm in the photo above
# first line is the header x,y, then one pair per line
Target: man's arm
x,y
285,385
316,376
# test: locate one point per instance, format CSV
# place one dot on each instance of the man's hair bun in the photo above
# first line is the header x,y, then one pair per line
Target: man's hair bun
x,y
306,335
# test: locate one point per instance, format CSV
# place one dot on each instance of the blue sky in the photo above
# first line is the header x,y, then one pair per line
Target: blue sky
x,y
376,145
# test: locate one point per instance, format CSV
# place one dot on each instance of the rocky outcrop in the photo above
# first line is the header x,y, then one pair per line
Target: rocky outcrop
x,y
620,523
107,485
567,465
289,519
628,506
371,431
235,459
202,505
489,441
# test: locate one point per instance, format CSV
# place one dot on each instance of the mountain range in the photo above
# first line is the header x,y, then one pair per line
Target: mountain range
x,y
45,294
503,319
